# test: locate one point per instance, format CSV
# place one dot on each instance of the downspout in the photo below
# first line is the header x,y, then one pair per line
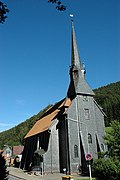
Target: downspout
x,y
78,125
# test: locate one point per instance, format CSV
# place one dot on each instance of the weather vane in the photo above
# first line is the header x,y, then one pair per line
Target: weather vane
x,y
71,15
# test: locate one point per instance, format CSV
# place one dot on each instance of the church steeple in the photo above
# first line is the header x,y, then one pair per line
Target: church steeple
x,y
76,61
78,84
75,53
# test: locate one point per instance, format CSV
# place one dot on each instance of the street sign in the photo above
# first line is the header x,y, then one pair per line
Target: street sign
x,y
89,157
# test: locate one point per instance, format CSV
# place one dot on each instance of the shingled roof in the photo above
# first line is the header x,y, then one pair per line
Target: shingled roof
x,y
48,118
17,150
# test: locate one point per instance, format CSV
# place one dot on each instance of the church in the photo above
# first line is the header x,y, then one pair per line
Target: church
x,y
68,131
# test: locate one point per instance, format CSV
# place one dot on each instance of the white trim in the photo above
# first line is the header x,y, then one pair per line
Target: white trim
x,y
83,142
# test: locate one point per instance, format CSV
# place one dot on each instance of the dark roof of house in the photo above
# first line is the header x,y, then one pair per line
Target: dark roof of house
x,y
47,120
1,151
17,150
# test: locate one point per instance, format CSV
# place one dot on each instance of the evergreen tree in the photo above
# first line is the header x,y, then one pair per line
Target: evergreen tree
x,y
3,171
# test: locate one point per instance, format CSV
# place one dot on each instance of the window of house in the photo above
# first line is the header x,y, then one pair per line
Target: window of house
x,y
75,151
89,138
7,152
87,113
76,73
85,98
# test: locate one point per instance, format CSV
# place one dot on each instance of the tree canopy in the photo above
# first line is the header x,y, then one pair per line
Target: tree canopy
x,y
108,97
15,135
59,5
4,10
113,139
108,167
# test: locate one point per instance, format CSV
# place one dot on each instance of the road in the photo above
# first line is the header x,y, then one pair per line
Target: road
x,y
13,178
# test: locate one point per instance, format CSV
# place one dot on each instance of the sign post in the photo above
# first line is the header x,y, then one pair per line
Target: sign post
x,y
89,158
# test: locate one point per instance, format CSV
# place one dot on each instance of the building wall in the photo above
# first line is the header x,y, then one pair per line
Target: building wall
x,y
7,152
68,142
88,125
100,124
51,157
79,126
73,137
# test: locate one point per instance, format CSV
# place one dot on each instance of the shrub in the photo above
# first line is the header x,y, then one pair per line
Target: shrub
x,y
106,169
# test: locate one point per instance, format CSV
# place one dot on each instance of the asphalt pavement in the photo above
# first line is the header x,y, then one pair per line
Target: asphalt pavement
x,y
20,174
17,174
13,177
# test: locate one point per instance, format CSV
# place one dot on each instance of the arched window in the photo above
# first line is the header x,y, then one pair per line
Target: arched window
x,y
75,73
102,146
89,138
76,151
87,114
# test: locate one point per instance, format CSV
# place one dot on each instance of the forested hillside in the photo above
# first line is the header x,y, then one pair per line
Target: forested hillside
x,y
15,135
108,97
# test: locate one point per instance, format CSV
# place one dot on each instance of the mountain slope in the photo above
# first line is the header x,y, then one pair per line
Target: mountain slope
x,y
108,97
15,135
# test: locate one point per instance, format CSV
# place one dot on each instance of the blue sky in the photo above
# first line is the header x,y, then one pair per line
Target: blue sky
x,y
35,52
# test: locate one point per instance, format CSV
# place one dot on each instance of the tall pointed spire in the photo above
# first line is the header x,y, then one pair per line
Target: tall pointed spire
x,y
75,53
76,61
78,84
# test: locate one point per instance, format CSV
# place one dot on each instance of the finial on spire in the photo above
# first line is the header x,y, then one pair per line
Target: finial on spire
x,y
71,15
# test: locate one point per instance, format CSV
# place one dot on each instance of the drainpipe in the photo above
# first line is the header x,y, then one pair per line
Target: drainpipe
x,y
49,131
76,103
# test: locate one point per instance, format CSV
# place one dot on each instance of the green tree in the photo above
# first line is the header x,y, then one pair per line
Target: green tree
x,y
113,140
108,97
59,5
3,11
106,169
3,171
109,166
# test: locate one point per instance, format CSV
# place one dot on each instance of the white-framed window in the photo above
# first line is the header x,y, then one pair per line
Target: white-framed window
x,y
102,146
75,151
87,113
89,138
7,152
